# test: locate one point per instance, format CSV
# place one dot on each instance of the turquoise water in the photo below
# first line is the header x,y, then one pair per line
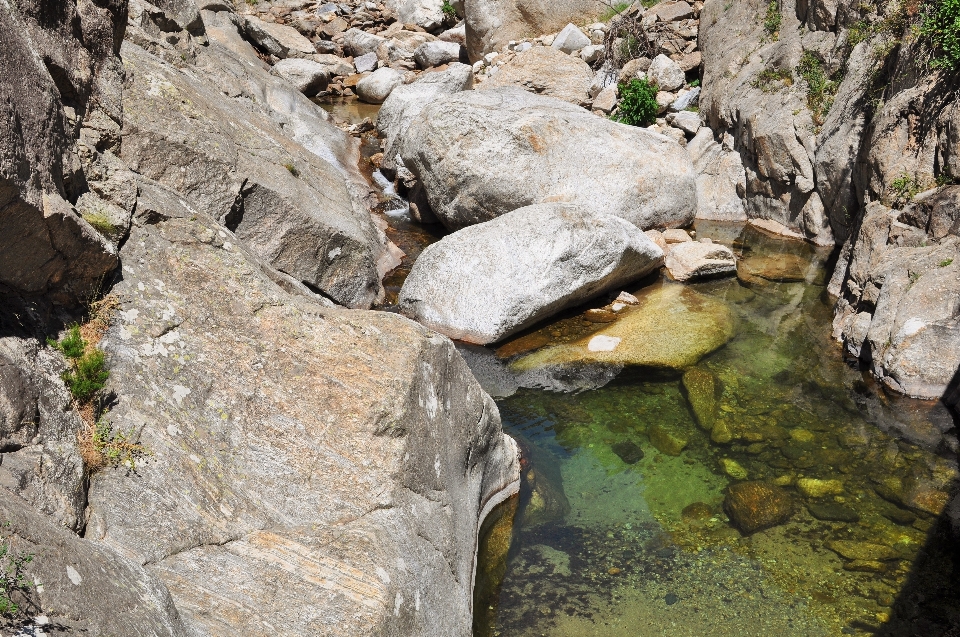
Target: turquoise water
x,y
604,542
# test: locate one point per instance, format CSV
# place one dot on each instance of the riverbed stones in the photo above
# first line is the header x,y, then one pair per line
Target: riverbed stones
x,y
480,154
755,506
544,70
376,87
628,451
833,512
491,24
733,469
819,488
672,328
778,268
694,260
491,280
701,388
864,551
668,439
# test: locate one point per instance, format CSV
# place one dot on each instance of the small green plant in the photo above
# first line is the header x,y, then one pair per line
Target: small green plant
x,y
613,11
772,20
448,10
945,263
940,27
859,31
13,578
87,374
904,188
101,224
695,83
638,103
292,169
769,80
915,276
102,446
821,88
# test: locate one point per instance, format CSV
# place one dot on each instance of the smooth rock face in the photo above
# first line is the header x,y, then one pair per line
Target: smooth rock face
x,y
308,76
349,466
672,328
366,63
430,54
376,87
290,205
408,100
721,179
694,260
481,154
491,24
491,280
570,39
755,506
666,73
545,71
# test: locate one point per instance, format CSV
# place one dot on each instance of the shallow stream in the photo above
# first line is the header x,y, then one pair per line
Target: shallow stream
x,y
621,529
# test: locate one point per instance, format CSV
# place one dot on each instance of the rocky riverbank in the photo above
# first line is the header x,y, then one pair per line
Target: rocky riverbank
x,y
233,442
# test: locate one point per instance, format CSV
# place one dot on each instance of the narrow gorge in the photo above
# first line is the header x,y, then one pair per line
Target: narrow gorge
x,y
489,318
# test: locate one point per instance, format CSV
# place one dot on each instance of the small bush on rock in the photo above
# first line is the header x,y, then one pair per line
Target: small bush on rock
x,y
103,446
821,88
87,374
638,103
940,25
448,10
773,20
13,579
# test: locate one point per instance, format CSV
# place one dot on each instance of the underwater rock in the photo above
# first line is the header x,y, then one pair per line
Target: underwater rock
x,y
777,268
833,512
667,439
862,551
672,328
547,501
701,387
733,469
816,488
628,451
754,506
697,511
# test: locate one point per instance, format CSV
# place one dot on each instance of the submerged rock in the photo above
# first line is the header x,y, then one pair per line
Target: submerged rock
x,y
862,551
754,506
481,154
628,451
833,512
702,388
779,268
668,439
672,328
488,281
817,488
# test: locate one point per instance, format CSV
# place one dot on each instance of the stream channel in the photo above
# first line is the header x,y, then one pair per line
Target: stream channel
x,y
620,528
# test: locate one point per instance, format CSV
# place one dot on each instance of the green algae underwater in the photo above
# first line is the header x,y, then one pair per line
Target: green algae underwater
x,y
621,528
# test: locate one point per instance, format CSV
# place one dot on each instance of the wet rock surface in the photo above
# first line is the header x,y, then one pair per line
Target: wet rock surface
x,y
754,506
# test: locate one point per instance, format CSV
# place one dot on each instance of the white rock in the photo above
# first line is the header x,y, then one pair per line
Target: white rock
x,y
687,99
721,179
366,63
457,34
695,260
664,100
666,73
437,53
570,39
603,343
606,101
308,76
277,39
603,78
480,154
376,87
357,42
483,283
687,121
676,235
592,53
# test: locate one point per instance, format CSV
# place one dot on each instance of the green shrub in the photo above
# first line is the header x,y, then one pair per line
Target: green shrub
x,y
945,263
773,20
102,446
638,103
13,579
87,374
292,170
859,31
448,10
101,224
821,88
613,11
940,26
770,80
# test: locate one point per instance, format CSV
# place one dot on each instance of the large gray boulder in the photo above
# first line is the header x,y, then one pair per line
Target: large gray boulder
x,y
408,100
300,481
308,76
491,24
481,154
545,71
721,179
288,201
277,39
376,87
491,280
437,53
426,14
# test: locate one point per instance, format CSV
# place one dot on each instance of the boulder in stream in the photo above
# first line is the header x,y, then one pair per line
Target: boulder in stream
x,y
694,260
488,281
481,154
754,506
